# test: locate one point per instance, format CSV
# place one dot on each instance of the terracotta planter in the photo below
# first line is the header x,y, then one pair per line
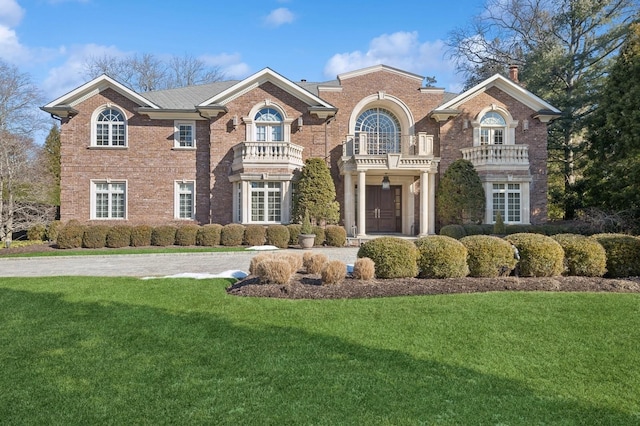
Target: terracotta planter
x,y
306,241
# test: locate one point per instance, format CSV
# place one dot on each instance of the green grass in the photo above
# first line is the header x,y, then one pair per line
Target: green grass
x,y
125,351
125,250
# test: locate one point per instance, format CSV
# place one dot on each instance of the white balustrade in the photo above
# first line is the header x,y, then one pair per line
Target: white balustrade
x,y
485,155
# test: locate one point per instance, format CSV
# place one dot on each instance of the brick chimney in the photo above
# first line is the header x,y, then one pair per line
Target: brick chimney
x,y
513,73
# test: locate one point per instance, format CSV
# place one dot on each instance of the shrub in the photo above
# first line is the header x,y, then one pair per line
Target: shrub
x,y
460,195
441,257
255,260
209,235
273,270
623,254
583,256
489,256
278,235
475,229
119,236
254,235
164,235
499,227
453,231
141,236
320,235
95,236
52,230
316,193
314,263
295,261
336,236
37,232
393,257
333,272
70,235
540,256
232,234
186,234
294,232
364,269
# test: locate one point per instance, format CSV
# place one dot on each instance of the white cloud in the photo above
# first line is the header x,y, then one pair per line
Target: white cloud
x,y
230,64
279,17
401,50
10,13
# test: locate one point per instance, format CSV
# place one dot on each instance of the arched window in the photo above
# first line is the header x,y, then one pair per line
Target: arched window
x,y
268,124
110,128
382,130
492,129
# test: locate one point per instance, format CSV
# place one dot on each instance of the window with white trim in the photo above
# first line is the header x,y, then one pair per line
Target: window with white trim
x,y
383,131
268,125
185,200
266,202
109,200
492,129
110,128
184,134
507,200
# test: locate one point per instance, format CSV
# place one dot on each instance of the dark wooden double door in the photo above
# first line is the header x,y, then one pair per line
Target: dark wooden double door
x,y
383,207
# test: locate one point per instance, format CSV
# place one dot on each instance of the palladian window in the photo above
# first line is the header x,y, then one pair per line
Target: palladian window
x,y
492,129
268,124
381,130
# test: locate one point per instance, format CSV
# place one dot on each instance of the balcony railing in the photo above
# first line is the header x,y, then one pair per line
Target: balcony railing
x,y
362,144
267,154
497,155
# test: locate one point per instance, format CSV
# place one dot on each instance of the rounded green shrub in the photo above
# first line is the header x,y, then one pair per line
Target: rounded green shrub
x,y
489,256
119,236
209,235
540,256
336,236
254,235
141,236
623,254
232,234
441,257
294,232
37,232
70,235
393,257
52,230
163,235
186,234
278,235
320,235
583,256
453,231
475,229
95,236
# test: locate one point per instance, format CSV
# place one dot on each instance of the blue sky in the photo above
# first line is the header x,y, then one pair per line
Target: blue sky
x,y
300,39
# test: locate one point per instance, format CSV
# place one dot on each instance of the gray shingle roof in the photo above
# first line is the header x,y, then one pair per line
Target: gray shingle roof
x,y
187,97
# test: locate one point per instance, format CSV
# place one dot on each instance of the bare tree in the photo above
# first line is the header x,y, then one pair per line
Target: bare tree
x,y
187,70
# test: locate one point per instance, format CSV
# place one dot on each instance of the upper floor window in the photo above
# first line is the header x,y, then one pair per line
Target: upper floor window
x,y
110,128
492,129
184,134
268,124
382,130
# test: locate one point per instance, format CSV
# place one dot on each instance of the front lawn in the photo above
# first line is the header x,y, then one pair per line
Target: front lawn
x,y
125,351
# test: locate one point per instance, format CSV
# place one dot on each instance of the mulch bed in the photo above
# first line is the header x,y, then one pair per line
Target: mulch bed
x,y
310,287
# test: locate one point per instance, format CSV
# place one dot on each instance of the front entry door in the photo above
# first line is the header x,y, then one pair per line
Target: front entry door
x,y
383,209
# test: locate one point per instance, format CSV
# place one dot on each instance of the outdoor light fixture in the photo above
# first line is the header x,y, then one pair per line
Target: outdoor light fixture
x,y
465,124
235,121
300,122
386,183
525,125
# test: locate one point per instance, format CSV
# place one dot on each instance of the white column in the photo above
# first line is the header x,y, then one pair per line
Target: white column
x,y
348,204
432,204
362,186
424,203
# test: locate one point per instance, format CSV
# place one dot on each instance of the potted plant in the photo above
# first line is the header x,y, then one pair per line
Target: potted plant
x,y
306,238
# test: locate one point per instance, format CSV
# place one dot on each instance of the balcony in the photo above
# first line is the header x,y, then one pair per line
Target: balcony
x,y
264,155
498,157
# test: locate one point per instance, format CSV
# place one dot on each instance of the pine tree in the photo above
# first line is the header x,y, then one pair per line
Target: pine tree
x,y
52,160
460,195
316,194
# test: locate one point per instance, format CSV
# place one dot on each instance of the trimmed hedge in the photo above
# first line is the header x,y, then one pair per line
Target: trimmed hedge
x,y
70,235
320,236
52,230
186,234
623,254
209,235
232,234
95,236
489,256
278,235
441,257
37,232
540,256
393,257
583,256
119,236
475,229
364,269
453,231
163,235
254,235
141,236
333,272
336,236
294,232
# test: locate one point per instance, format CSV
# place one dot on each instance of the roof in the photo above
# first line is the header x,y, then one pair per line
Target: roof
x,y
189,96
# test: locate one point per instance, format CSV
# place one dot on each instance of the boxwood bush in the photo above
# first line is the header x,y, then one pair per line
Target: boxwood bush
x,y
320,235
475,229
163,235
119,236
278,235
623,254
294,232
37,232
95,236
441,257
52,230
393,257
583,256
540,256
489,256
254,235
70,235
141,235
209,235
453,231
232,234
186,234
336,236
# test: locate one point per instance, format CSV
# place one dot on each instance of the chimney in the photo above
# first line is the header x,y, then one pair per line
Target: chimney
x,y
513,73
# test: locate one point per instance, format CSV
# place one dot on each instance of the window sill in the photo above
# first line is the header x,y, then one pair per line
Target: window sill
x,y
107,147
183,148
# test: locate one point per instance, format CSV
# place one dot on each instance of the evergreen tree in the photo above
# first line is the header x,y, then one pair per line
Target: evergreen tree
x,y
52,161
460,195
316,194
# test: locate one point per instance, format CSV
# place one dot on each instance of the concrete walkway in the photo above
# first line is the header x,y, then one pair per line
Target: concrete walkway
x,y
143,265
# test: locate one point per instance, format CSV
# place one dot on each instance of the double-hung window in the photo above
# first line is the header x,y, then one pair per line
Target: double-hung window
x,y
185,200
268,124
492,129
507,202
266,201
109,200
110,128
185,134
